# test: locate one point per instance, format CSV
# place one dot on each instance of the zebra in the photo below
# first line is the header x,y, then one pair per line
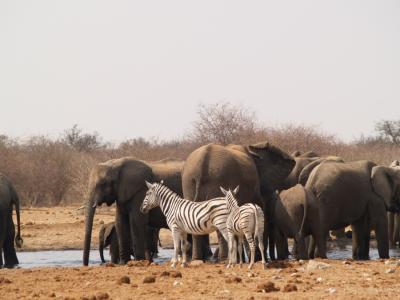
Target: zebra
x,y
246,220
185,216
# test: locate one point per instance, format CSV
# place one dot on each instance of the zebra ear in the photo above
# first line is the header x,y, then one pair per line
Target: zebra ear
x,y
162,182
236,190
223,190
149,185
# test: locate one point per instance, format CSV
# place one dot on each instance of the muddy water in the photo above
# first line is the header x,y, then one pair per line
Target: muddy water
x,y
70,258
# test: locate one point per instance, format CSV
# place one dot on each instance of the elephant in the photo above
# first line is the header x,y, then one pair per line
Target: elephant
x,y
108,237
296,216
358,194
394,217
8,199
123,181
259,169
301,161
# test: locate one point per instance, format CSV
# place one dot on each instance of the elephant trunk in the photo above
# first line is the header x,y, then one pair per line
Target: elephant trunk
x,y
101,245
18,239
89,215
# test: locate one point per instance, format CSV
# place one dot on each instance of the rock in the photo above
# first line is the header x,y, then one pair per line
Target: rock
x,y
318,280
109,265
392,263
233,279
331,290
314,265
295,275
276,277
4,280
195,263
301,262
290,287
388,271
165,274
177,283
176,274
134,285
346,262
267,287
250,275
102,296
124,280
149,279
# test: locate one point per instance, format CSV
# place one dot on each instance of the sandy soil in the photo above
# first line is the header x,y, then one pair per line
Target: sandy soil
x,y
367,280
62,228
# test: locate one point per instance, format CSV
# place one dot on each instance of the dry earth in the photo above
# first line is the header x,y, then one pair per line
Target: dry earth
x,y
62,228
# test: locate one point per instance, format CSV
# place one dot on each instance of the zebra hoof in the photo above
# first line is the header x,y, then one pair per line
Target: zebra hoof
x,y
250,266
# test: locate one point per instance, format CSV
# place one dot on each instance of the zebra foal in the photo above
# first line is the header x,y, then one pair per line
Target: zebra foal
x,y
246,220
185,216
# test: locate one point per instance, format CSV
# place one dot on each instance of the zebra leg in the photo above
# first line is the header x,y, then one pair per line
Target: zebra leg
x,y
176,235
184,252
250,240
240,242
230,250
260,239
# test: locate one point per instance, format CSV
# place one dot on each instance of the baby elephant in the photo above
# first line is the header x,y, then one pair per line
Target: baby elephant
x,y
108,237
296,216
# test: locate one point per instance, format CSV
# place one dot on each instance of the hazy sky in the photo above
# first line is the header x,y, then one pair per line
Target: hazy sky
x,y
140,68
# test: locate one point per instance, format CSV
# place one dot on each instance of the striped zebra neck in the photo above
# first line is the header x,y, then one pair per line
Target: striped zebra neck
x,y
232,204
167,199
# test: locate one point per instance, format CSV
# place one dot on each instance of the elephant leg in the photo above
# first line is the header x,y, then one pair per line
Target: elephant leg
x,y
10,255
200,247
3,230
123,232
391,227
360,237
280,245
396,233
269,239
311,247
381,235
183,248
114,249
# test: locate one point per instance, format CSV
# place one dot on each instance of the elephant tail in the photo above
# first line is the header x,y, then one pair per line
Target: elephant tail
x,y
18,240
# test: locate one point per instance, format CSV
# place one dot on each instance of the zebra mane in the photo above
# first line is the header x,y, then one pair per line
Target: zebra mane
x,y
164,191
232,201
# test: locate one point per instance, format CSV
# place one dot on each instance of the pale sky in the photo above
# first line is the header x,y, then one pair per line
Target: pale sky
x,y
140,68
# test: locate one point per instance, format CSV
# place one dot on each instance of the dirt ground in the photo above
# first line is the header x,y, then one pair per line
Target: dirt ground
x,y
62,228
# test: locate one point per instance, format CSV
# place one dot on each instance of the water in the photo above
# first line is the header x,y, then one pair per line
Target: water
x,y
71,258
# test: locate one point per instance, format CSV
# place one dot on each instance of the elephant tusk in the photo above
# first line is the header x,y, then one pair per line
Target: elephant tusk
x,y
94,205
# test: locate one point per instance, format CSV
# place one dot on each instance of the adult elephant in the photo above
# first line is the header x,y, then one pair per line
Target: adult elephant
x,y
8,199
357,194
123,181
394,217
259,169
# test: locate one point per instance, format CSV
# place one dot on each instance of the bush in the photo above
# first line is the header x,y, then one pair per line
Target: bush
x,y
52,172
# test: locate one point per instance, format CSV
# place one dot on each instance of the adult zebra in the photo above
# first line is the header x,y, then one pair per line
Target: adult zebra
x,y
246,220
185,216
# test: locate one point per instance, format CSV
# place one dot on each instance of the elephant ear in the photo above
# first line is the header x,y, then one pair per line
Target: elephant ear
x,y
273,164
382,183
305,173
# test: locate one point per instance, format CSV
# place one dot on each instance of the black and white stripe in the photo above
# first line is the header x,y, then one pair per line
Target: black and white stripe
x,y
246,220
185,216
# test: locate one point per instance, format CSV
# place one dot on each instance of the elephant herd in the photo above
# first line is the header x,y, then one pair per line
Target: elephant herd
x,y
303,196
